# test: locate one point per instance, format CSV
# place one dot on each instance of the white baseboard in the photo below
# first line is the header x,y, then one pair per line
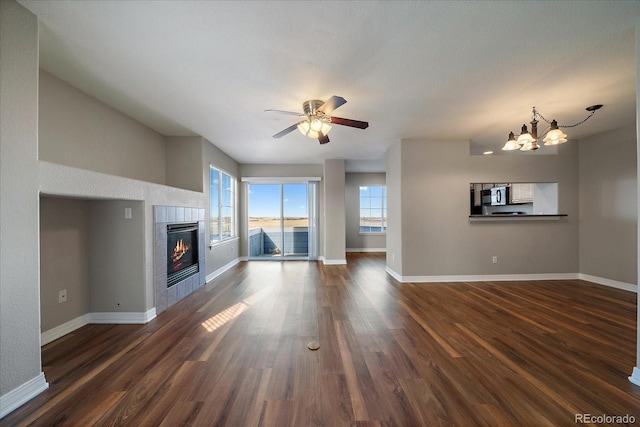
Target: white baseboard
x,y
635,376
367,250
120,317
393,274
608,282
22,394
480,278
221,270
98,317
62,330
512,277
333,261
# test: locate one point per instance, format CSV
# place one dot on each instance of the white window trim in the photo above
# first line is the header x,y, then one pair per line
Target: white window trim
x,y
235,235
279,180
372,233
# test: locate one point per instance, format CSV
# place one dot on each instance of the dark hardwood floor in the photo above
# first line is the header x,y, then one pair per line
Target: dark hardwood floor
x,y
463,354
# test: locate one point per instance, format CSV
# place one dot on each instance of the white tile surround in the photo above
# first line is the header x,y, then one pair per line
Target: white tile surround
x,y
162,216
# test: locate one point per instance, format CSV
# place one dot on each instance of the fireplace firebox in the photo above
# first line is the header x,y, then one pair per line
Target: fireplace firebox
x,y
182,252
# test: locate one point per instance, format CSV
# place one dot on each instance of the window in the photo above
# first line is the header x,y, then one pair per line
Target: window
x,y
222,208
373,209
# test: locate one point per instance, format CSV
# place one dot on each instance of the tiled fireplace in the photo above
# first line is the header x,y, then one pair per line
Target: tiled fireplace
x,y
170,282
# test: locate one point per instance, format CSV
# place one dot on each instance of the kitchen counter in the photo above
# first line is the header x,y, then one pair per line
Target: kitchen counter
x,y
515,216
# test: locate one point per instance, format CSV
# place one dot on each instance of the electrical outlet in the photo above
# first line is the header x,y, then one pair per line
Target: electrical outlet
x,y
495,259
62,296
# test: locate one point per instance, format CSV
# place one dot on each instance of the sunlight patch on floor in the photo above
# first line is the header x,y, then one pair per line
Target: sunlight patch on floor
x,y
230,313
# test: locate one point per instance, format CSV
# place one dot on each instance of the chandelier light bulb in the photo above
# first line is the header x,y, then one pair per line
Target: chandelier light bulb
x,y
525,137
511,143
555,136
530,146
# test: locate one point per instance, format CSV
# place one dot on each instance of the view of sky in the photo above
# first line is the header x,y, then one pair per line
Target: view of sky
x,y
264,200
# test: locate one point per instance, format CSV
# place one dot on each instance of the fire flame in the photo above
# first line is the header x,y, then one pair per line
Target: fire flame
x,y
180,250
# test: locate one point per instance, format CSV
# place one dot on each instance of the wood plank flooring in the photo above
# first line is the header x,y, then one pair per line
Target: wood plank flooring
x,y
457,354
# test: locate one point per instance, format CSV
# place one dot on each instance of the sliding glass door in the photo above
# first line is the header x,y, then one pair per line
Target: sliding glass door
x,y
279,220
265,220
295,220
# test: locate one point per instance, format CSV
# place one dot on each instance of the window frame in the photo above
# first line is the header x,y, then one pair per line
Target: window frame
x,y
217,212
383,209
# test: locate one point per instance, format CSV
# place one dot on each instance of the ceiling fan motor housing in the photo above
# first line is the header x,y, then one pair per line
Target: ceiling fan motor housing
x,y
310,108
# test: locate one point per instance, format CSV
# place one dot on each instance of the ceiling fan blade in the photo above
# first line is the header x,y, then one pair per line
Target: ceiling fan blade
x,y
323,139
290,113
348,122
286,131
332,103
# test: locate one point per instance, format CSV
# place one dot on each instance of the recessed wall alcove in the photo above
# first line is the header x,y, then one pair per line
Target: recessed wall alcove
x,y
164,216
93,250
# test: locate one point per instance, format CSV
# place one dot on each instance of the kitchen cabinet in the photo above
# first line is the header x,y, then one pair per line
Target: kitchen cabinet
x,y
521,193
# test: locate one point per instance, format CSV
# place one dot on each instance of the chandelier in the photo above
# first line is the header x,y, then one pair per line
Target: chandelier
x,y
528,141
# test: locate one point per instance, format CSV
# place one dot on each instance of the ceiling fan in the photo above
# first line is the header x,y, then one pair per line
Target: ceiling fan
x,y
316,119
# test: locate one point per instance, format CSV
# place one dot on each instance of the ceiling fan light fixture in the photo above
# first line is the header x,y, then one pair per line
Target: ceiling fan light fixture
x,y
312,129
304,127
316,124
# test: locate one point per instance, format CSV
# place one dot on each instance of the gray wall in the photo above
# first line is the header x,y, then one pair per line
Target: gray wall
x,y
437,237
334,211
609,205
116,256
99,138
638,175
183,152
393,165
64,260
355,240
19,266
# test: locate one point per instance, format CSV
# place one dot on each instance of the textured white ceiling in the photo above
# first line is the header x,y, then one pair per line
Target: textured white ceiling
x,y
428,70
